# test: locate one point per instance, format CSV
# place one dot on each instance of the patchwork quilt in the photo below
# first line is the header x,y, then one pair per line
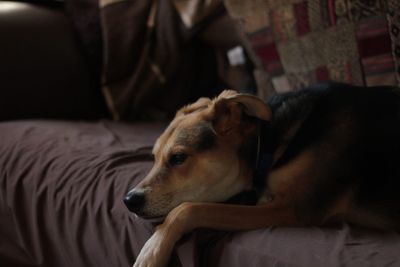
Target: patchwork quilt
x,y
296,43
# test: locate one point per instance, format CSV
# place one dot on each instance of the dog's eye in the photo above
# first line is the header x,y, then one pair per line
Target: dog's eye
x,y
177,159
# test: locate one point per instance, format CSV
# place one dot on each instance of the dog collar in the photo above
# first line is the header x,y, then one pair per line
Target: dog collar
x,y
264,156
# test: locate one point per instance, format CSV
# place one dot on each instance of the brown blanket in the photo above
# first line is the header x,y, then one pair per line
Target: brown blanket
x,y
61,194
61,190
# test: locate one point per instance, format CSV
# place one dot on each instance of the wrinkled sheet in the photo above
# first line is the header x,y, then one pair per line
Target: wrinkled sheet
x,y
341,245
62,185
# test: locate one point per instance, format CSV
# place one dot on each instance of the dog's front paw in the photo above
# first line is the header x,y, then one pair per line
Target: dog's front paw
x,y
156,252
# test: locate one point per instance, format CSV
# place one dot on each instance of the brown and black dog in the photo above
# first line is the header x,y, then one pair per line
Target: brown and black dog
x,y
332,151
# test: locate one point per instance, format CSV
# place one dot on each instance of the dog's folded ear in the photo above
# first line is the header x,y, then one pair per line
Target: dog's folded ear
x,y
229,107
253,106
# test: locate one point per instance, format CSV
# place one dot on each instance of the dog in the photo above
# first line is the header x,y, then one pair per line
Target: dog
x,y
329,152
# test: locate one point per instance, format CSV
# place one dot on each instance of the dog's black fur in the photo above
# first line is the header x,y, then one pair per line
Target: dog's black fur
x,y
366,121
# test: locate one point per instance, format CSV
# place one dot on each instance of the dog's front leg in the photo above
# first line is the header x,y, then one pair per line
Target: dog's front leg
x,y
189,216
157,250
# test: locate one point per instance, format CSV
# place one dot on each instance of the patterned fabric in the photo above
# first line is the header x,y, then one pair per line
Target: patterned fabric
x,y
297,43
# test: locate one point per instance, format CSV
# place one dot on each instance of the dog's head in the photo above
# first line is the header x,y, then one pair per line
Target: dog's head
x,y
200,156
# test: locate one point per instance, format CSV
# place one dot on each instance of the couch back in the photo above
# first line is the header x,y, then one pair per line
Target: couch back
x,y
43,70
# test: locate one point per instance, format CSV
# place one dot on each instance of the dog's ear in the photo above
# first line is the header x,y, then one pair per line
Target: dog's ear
x,y
229,107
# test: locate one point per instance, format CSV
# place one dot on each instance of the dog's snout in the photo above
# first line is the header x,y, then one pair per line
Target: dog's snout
x,y
134,201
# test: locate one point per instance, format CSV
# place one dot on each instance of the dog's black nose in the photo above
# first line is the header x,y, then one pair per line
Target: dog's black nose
x,y
134,201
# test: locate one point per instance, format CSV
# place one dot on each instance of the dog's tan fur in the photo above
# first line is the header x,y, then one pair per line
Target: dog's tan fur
x,y
186,193
214,174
